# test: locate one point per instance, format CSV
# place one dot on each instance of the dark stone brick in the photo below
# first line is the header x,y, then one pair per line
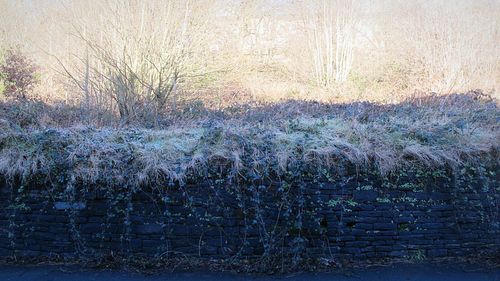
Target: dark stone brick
x,y
432,225
352,250
398,254
148,228
405,219
365,195
437,253
366,219
384,226
384,248
358,232
367,226
358,244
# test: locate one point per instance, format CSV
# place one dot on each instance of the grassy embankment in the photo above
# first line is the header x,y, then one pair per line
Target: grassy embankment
x,y
267,142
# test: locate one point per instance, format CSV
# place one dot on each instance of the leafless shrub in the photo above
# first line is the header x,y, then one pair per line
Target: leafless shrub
x,y
18,73
136,56
332,32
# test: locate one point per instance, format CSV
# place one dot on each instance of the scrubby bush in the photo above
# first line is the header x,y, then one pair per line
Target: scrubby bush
x,y
18,74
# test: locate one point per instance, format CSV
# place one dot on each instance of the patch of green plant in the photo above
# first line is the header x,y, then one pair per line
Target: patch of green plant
x,y
417,256
383,200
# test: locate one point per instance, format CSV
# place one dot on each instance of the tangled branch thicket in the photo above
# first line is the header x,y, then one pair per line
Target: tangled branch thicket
x,y
138,59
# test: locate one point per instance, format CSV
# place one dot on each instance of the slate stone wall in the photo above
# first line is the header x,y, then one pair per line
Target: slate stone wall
x,y
349,221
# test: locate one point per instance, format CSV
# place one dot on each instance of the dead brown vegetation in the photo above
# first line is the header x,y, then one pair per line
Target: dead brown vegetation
x,y
265,142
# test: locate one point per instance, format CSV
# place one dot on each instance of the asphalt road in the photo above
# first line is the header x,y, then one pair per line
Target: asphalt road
x,y
391,273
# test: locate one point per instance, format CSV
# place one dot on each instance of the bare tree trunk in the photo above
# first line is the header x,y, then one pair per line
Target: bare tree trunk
x,y
332,30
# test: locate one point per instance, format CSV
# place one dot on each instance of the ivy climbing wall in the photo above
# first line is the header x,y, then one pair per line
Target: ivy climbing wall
x,y
353,218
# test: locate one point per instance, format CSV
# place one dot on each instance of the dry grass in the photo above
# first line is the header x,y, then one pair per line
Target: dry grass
x,y
263,142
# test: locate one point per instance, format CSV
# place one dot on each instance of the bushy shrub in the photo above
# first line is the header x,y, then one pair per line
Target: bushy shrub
x,y
18,74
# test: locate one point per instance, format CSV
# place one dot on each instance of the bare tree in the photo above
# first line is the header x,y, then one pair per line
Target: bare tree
x,y
444,47
137,53
331,29
134,58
